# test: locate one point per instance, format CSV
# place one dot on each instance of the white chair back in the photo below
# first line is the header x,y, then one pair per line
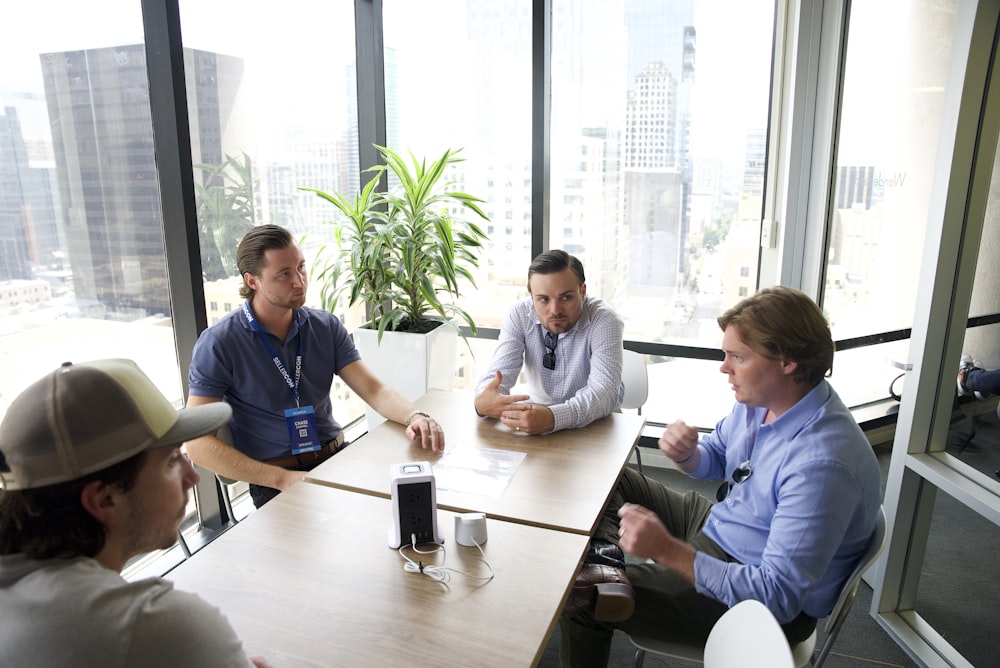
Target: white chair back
x,y
635,380
748,636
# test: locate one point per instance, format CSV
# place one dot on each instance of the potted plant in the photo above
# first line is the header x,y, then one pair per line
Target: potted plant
x,y
403,254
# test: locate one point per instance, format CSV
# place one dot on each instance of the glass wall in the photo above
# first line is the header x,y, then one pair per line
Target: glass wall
x,y
658,145
658,142
268,117
82,268
657,175
890,123
460,78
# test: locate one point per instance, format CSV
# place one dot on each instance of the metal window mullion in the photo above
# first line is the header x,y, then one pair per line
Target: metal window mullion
x,y
809,52
541,112
172,153
369,58
970,127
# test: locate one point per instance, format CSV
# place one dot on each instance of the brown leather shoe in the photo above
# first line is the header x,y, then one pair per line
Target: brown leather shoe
x,y
603,552
604,591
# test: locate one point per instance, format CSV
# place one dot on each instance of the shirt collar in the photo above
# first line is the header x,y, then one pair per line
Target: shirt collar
x,y
298,318
795,418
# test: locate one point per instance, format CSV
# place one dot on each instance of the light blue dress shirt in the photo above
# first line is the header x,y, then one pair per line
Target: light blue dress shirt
x,y
587,382
803,518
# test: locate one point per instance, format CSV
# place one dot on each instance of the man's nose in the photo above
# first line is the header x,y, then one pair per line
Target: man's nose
x,y
191,476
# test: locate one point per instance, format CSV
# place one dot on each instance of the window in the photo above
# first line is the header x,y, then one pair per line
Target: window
x,y
267,125
886,156
82,267
80,215
669,123
657,161
886,153
487,56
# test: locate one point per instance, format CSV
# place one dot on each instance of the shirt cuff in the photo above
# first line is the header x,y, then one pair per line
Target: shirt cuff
x,y
709,575
562,416
704,464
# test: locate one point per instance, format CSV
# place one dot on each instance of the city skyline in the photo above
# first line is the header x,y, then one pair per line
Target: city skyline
x,y
589,194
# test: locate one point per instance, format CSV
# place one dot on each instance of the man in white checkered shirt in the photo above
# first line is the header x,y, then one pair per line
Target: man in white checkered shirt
x,y
570,348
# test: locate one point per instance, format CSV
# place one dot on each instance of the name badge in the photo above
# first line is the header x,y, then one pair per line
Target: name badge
x,y
302,432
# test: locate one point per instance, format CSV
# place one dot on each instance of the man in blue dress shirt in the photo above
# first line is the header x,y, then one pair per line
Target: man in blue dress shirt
x,y
570,347
800,499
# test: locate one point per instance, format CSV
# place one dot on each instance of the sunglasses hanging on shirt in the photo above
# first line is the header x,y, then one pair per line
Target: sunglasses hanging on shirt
x,y
740,474
549,359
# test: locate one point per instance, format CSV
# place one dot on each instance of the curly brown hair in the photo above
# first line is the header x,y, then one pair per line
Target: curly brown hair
x,y
51,522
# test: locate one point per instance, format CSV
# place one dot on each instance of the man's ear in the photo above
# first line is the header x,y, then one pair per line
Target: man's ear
x,y
252,281
103,501
583,289
788,367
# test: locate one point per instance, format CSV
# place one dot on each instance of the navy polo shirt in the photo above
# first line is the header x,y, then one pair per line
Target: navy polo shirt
x,y
232,363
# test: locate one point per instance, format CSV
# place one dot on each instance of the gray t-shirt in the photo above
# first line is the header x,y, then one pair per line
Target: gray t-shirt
x,y
76,612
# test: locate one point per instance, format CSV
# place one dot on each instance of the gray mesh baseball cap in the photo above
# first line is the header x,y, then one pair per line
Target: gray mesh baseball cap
x,y
82,418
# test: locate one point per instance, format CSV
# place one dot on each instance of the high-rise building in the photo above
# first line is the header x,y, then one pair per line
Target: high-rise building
x,y
98,100
753,163
651,120
653,183
29,234
656,152
856,187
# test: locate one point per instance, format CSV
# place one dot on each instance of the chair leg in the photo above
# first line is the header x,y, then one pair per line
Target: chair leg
x,y
638,658
183,543
638,458
227,502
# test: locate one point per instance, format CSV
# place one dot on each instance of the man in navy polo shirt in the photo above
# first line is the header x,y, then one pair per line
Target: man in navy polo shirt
x,y
273,360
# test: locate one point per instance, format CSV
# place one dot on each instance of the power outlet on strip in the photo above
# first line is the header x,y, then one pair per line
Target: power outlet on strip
x,y
414,505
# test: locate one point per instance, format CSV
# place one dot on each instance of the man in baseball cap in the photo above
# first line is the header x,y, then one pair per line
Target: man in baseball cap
x,y
93,475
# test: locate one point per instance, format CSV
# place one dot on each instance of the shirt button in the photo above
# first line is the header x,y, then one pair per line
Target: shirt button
x,y
729,502
717,522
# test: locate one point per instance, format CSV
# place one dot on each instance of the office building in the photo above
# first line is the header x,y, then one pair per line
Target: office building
x,y
103,146
30,237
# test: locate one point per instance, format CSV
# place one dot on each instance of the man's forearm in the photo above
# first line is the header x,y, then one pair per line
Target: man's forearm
x,y
583,408
224,459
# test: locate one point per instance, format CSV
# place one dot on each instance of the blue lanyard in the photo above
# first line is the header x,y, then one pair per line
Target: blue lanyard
x,y
255,326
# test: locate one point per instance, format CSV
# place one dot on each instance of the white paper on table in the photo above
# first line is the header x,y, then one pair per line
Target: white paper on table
x,y
476,470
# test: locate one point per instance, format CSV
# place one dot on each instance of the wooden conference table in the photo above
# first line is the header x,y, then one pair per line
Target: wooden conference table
x,y
563,483
308,580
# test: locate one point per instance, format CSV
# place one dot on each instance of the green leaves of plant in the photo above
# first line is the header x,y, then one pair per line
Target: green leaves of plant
x,y
403,251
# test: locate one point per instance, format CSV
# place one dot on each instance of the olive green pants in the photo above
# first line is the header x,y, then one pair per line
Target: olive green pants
x,y
666,605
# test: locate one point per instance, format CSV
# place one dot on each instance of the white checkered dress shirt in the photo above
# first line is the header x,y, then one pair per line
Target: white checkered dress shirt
x,y
587,382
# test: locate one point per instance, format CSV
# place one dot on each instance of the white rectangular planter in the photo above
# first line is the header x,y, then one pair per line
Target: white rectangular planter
x,y
411,363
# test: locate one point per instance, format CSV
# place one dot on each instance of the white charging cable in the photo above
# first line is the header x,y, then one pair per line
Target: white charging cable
x,y
440,573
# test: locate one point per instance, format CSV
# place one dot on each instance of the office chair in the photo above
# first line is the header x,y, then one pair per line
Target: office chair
x,y
801,652
748,636
636,382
